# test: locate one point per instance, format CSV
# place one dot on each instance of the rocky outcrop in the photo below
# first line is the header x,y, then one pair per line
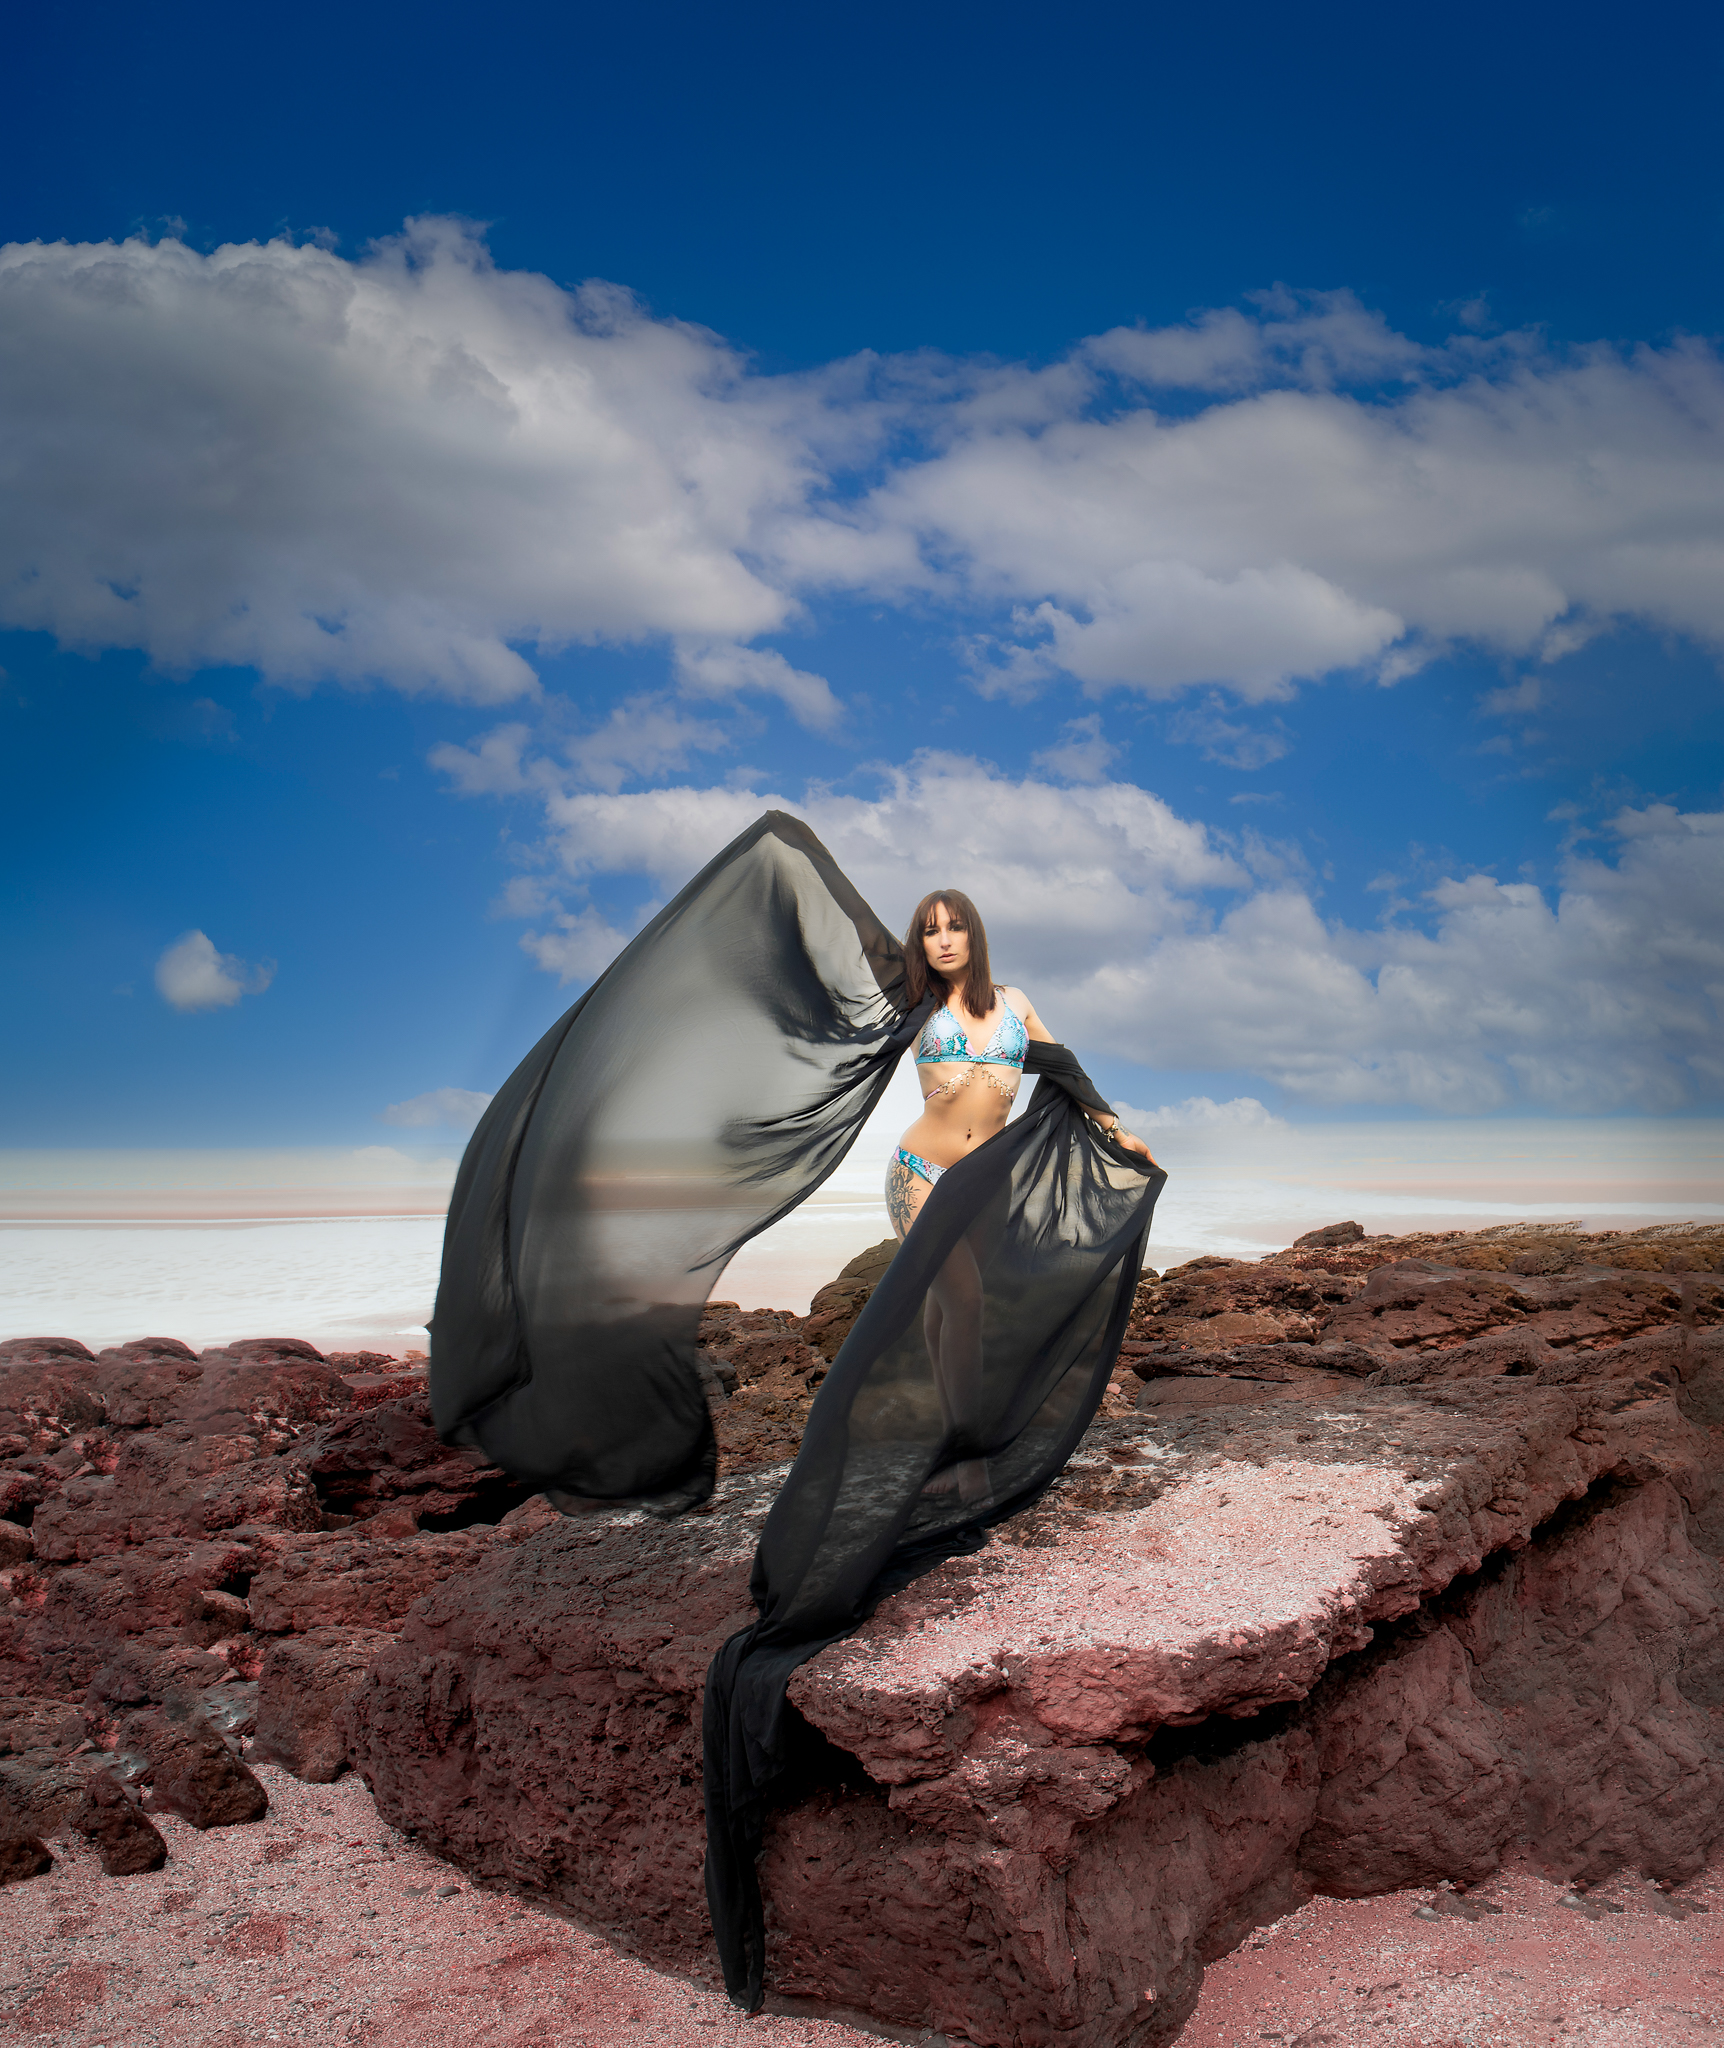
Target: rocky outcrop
x,y
189,1768
1386,1555
168,1521
1308,1619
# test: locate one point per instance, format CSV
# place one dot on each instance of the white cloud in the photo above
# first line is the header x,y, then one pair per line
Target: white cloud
x,y
418,468
578,946
192,975
405,467
721,671
1226,740
1506,496
492,768
1083,755
451,1108
1142,935
1200,1113
642,737
1063,877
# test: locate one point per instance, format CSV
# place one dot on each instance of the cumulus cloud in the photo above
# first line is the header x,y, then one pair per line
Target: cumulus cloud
x,y
1201,1113
1146,936
1500,495
722,671
1226,740
641,738
192,975
1083,754
1065,877
439,1108
577,945
405,467
418,468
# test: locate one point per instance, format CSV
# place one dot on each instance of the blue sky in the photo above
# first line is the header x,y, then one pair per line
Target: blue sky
x,y
1241,497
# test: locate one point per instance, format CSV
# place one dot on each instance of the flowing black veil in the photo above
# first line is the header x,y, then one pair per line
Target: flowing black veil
x,y
708,1082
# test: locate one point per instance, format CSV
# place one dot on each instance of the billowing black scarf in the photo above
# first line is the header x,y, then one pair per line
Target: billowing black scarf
x,y
712,1078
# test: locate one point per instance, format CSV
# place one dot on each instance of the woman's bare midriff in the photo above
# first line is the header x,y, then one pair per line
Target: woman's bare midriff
x,y
952,1126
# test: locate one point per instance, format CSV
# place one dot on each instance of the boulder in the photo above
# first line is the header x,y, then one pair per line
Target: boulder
x,y
111,1821
78,1618
389,1456
1235,1655
25,1482
1331,1233
46,1398
837,1305
306,1680
170,1483
21,1857
189,1768
145,1671
770,1374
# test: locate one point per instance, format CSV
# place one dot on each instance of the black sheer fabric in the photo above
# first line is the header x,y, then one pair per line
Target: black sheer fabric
x,y
710,1081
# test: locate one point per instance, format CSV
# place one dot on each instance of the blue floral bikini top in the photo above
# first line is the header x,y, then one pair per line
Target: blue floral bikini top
x,y
944,1038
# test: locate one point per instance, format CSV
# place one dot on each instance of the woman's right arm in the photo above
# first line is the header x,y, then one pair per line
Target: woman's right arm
x,y
1036,1029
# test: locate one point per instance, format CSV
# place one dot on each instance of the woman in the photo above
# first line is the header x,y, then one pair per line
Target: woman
x,y
967,1095
711,1079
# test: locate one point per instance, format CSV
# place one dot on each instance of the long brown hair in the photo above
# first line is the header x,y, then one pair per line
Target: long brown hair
x,y
977,993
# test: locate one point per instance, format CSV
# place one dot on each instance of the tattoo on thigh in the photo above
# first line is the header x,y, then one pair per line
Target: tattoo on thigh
x,y
901,1203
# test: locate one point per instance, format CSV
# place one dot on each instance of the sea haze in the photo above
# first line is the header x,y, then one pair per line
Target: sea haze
x,y
342,1248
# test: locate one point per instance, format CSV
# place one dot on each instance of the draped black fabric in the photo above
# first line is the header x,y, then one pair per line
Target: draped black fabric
x,y
707,1083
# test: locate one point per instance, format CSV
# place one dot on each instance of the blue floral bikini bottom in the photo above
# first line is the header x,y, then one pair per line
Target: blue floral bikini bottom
x,y
917,1164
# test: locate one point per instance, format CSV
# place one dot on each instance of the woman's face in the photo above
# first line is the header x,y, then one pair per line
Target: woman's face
x,y
946,944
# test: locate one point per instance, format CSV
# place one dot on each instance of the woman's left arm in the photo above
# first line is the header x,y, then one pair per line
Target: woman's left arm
x,y
1036,1029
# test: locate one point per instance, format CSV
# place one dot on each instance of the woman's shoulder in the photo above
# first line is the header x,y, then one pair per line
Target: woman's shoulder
x,y
1013,996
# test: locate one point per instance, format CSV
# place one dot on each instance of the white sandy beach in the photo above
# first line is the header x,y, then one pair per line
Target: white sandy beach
x,y
342,1247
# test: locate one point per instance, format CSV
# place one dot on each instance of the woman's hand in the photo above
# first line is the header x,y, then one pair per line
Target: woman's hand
x,y
1118,1131
1130,1143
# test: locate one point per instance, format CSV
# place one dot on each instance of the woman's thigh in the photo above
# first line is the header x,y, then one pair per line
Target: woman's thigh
x,y
906,1191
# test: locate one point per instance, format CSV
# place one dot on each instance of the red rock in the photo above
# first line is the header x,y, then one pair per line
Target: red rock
x,y
837,1305
24,1485
40,1787
1136,1723
141,1384
170,1483
78,1617
28,1723
145,1671
21,1857
389,1456
41,1350
214,1616
110,1819
355,1581
1331,1233
44,1402
306,1680
190,1770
